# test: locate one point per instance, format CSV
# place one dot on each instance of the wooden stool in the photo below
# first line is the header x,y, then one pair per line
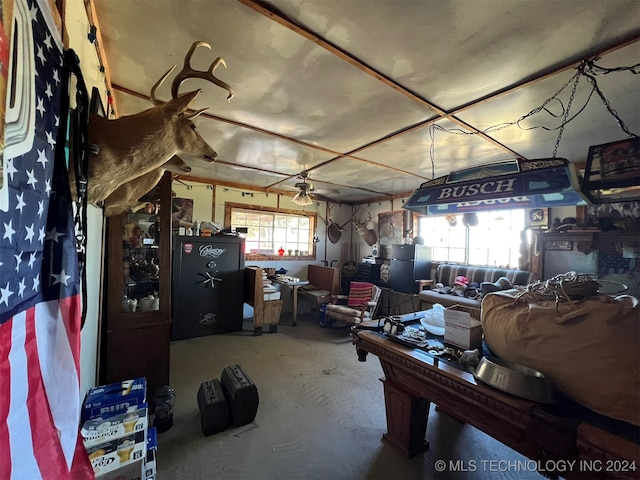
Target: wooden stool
x,y
422,284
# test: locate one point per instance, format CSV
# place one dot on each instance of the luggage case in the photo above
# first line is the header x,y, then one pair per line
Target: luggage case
x,y
214,409
241,394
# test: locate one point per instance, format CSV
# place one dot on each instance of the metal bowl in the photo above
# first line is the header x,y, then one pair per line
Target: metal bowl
x,y
515,379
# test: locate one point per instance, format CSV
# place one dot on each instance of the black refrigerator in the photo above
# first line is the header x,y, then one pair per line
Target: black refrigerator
x,y
408,264
207,288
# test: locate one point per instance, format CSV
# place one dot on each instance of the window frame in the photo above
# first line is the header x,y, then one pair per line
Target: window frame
x,y
313,223
466,235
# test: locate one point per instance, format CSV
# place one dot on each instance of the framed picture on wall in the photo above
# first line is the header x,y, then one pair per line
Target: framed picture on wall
x,y
181,213
390,227
564,245
537,218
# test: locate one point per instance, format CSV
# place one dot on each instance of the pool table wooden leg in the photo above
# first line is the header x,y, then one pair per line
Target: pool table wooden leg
x,y
407,417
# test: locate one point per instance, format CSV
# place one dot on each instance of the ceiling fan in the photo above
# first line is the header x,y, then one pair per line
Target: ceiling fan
x,y
305,191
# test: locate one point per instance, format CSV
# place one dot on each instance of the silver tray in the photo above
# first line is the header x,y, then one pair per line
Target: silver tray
x,y
515,379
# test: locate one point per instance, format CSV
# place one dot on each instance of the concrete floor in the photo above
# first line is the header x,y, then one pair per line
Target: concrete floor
x,y
321,415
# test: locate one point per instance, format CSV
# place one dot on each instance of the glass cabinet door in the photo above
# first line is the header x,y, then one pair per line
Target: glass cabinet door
x,y
141,262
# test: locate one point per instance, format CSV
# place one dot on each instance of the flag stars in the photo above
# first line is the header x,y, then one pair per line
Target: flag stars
x,y
48,91
40,54
40,107
18,258
5,293
56,76
32,179
10,169
50,140
54,235
62,278
32,259
30,233
42,158
8,231
47,186
47,41
21,287
36,283
21,204
40,208
33,13
41,235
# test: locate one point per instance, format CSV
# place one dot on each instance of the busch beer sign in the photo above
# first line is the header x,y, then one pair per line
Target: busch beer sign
x,y
524,184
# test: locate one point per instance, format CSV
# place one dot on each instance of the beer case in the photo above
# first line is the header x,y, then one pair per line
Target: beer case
x,y
214,409
132,471
117,454
241,394
150,467
96,431
113,398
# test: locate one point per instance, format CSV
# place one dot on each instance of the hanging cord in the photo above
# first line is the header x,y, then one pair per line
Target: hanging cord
x,y
566,116
583,67
587,69
78,149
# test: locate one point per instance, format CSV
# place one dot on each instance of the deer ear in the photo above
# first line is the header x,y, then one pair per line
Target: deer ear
x,y
180,104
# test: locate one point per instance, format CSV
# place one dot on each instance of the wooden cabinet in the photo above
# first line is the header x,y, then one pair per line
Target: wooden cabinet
x,y
137,304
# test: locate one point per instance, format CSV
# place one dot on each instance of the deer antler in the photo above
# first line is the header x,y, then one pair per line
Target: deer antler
x,y
188,72
154,100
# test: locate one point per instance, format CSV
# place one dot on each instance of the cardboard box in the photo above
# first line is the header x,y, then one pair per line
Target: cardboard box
x,y
150,465
116,454
463,337
460,318
149,470
97,431
114,398
461,329
133,471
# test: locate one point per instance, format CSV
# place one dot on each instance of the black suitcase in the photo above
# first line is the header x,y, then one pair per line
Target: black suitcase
x,y
214,409
241,394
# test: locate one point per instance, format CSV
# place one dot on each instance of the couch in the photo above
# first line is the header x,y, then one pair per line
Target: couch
x,y
446,274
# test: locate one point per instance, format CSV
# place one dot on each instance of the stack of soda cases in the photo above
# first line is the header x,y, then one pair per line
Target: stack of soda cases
x,y
116,433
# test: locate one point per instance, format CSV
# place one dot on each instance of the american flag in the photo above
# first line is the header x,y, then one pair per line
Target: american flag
x,y
40,304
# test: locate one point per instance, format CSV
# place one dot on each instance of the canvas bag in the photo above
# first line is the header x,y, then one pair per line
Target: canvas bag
x,y
592,358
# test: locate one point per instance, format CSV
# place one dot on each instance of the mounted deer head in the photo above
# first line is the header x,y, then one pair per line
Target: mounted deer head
x,y
334,231
135,145
126,196
369,236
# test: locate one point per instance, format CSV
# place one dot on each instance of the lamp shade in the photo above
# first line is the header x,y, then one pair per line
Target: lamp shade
x,y
516,183
302,198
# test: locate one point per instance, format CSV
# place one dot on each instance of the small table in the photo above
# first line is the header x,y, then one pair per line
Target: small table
x,y
294,283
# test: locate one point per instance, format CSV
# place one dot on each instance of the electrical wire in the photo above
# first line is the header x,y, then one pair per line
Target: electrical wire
x,y
587,69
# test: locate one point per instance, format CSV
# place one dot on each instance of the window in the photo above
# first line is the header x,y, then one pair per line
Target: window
x,y
270,229
494,240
